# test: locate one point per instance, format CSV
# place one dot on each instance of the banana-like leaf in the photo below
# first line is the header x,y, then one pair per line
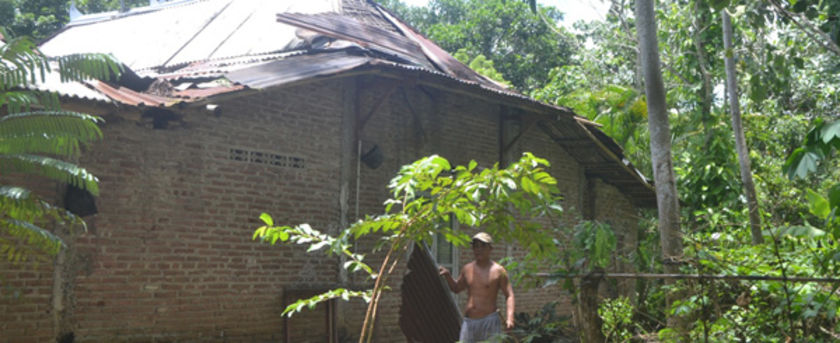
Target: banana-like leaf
x,y
50,132
50,168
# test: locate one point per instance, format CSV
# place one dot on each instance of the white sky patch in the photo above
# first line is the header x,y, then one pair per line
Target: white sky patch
x,y
574,10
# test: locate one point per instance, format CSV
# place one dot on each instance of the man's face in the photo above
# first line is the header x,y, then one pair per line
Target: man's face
x,y
480,249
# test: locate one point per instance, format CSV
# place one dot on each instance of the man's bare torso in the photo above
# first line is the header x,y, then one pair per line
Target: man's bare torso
x,y
483,283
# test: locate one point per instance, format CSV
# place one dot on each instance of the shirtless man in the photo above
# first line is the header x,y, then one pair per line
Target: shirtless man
x,y
483,279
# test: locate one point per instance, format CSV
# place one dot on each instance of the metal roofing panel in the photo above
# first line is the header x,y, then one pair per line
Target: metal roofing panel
x,y
428,312
142,40
296,68
442,59
176,34
129,97
53,83
347,28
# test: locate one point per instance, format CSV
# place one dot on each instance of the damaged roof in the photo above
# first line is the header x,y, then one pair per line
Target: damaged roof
x,y
192,51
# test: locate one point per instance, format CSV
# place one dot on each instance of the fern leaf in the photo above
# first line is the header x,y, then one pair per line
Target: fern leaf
x,y
50,168
20,204
80,67
32,235
50,132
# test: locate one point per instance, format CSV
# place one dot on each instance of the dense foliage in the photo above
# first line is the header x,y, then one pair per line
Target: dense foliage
x,y
788,72
36,139
513,204
41,18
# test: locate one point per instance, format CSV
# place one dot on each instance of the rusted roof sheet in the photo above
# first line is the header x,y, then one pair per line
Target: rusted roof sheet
x,y
127,96
443,60
350,29
193,93
428,312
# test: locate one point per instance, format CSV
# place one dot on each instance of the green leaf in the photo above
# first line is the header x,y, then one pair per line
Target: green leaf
x,y
802,231
801,163
266,218
817,204
834,196
830,131
50,168
529,185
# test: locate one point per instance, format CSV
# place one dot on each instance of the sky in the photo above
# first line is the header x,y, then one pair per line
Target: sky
x,y
586,10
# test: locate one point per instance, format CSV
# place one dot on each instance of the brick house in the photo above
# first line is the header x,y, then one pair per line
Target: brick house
x,y
302,109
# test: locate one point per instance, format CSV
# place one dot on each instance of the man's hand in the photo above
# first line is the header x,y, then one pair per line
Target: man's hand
x,y
445,272
509,324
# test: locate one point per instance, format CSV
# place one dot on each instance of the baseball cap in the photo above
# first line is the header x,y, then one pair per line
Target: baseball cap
x,y
484,237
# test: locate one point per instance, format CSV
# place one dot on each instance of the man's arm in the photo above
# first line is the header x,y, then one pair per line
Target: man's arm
x,y
454,286
507,289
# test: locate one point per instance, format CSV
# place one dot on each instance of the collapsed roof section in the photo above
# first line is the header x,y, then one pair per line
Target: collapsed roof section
x,y
212,48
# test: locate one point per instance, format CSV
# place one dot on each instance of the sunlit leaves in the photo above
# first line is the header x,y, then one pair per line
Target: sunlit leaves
x,y
513,204
818,204
338,293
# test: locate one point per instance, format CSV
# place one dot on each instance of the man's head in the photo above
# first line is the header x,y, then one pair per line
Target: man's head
x,y
482,244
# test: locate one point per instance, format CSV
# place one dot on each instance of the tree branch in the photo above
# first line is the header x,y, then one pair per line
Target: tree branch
x,y
813,32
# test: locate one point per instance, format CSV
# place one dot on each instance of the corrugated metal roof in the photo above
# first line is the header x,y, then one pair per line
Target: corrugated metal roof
x,y
350,29
226,46
291,69
52,83
127,96
428,312
191,31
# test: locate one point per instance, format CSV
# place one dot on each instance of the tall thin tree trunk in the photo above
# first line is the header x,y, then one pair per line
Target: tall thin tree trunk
x,y
705,91
740,141
660,145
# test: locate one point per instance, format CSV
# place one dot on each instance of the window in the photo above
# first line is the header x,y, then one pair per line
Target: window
x,y
445,253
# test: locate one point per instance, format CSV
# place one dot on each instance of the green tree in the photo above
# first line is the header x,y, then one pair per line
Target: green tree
x,y
513,204
40,19
34,134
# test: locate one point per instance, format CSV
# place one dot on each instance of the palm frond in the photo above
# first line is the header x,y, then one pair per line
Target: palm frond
x,y
51,168
20,204
21,62
33,236
19,100
80,67
50,132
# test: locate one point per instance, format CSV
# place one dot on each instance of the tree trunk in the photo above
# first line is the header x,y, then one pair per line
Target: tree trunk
x,y
705,91
660,144
590,321
740,141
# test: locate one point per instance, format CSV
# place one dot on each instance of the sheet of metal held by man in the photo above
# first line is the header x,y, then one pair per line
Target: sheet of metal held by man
x,y
483,279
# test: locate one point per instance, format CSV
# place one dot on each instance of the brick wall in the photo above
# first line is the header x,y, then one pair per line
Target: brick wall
x,y
169,257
